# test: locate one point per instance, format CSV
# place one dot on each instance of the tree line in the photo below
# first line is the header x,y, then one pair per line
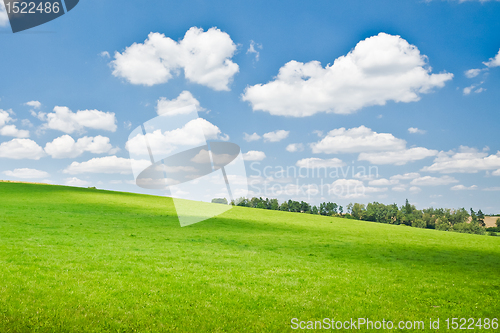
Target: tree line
x,y
457,220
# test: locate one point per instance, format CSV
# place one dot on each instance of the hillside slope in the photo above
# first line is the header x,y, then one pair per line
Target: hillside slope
x,y
82,260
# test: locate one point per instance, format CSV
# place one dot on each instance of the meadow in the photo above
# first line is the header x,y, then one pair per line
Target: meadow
x,y
87,260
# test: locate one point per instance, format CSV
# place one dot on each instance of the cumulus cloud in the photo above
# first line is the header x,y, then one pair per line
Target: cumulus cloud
x,y
66,147
399,188
165,142
352,189
355,140
251,137
433,181
383,182
466,160
105,54
472,73
172,107
34,104
493,62
276,136
5,117
414,130
12,130
107,164
20,149
400,157
76,182
406,176
205,58
254,155
314,162
468,90
295,147
496,173
415,189
379,69
26,173
63,119
463,188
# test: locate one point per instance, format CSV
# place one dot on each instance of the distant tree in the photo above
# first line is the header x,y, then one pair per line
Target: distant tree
x,y
498,222
275,204
418,223
349,208
284,207
335,208
473,216
408,208
357,210
480,218
314,210
442,223
220,201
341,210
305,207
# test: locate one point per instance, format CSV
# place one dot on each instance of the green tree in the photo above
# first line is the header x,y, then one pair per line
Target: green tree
x,y
498,222
220,201
480,218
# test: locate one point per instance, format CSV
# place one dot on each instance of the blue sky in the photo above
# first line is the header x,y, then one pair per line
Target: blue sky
x,y
408,88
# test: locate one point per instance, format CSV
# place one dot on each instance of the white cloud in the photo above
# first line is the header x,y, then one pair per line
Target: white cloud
x,y
251,49
63,119
165,142
355,140
463,188
400,157
4,19
251,137
414,130
383,182
399,188
172,107
107,164
204,56
105,54
254,155
467,90
415,189
34,104
472,73
20,149
433,181
466,160
493,62
66,147
351,189
496,173
12,130
276,136
5,117
295,147
76,182
314,162
495,188
26,173
406,176
381,68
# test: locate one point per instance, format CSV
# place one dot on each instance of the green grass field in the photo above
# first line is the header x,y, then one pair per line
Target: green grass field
x,y
83,260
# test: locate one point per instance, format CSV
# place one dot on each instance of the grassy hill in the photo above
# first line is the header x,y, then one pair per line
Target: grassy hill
x,y
83,260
